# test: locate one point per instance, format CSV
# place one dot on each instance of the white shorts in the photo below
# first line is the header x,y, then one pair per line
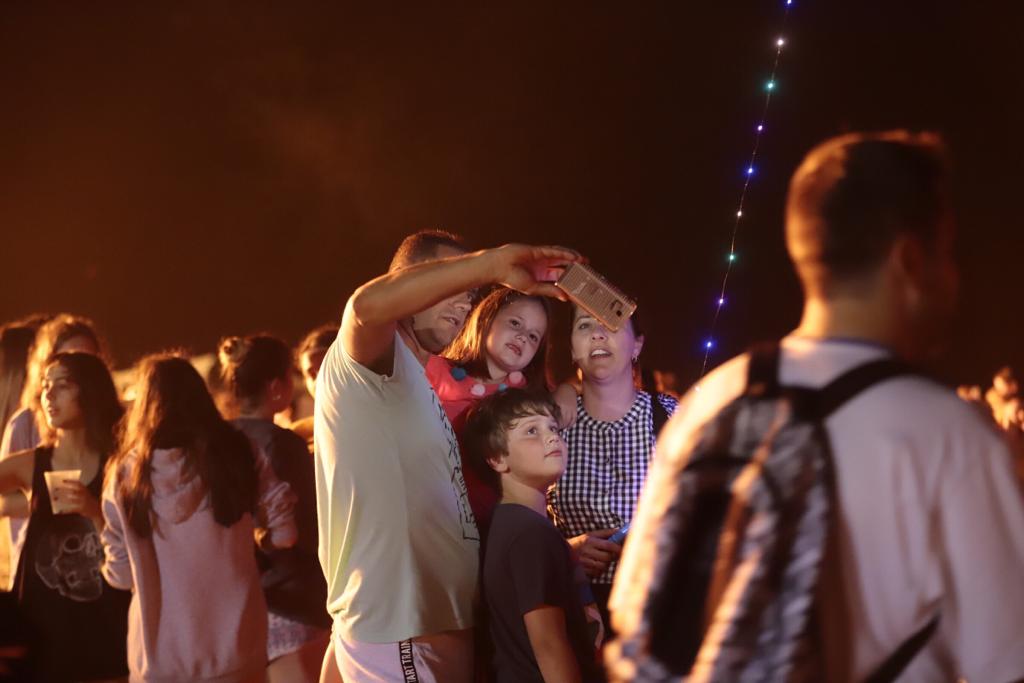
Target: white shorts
x,y
439,658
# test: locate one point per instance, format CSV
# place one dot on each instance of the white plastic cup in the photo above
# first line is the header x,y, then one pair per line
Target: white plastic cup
x,y
54,479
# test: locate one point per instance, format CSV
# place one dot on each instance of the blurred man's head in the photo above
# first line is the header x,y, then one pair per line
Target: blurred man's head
x,y
435,327
869,218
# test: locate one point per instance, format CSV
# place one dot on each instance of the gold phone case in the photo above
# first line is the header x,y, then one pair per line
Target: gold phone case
x,y
597,296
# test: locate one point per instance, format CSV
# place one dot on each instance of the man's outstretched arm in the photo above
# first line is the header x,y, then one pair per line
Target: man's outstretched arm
x,y
372,313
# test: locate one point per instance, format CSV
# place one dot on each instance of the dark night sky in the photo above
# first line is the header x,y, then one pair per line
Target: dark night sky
x,y
182,171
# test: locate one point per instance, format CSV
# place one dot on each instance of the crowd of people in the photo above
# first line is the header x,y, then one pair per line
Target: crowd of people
x,y
431,506
1003,403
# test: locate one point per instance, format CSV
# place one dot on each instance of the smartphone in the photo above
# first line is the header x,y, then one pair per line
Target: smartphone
x,y
620,535
598,297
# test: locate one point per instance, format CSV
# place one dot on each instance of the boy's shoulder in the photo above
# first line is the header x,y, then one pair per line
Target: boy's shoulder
x,y
512,523
523,543
519,515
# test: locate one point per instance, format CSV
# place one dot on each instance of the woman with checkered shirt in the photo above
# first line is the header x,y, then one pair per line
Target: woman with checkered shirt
x,y
611,434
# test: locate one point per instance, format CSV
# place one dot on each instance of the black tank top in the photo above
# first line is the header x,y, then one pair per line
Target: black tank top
x,y
78,624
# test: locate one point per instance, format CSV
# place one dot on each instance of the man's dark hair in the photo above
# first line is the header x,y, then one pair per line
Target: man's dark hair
x,y
485,435
854,195
422,246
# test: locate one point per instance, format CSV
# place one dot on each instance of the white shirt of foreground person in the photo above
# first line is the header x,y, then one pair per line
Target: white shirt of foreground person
x,y
932,518
398,542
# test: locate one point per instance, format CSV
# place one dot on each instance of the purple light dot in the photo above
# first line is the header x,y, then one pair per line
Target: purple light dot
x,y
760,128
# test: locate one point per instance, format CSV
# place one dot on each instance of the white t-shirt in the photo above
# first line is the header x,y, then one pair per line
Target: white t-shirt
x,y
398,542
932,515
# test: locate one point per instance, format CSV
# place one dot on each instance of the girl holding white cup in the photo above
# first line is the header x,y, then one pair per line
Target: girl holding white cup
x,y
77,620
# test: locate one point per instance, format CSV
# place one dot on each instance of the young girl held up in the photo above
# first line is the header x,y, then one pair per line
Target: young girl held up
x,y
503,345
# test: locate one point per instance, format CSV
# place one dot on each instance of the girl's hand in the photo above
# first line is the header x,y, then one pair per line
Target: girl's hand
x,y
75,498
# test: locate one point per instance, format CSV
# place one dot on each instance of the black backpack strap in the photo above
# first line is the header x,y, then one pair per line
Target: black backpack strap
x,y
891,668
763,370
659,416
854,381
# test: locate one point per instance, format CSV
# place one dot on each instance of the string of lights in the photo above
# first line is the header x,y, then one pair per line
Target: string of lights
x,y
748,176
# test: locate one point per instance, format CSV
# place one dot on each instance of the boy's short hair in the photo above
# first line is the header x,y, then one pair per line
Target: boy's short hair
x,y
485,435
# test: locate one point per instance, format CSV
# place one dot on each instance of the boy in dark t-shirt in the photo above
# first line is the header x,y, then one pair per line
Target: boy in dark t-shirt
x,y
536,616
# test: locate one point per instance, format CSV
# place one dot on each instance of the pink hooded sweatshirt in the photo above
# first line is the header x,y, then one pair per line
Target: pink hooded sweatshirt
x,y
197,610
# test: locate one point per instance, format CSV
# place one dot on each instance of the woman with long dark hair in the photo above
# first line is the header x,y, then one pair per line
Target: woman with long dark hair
x,y
258,372
183,501
76,620
60,334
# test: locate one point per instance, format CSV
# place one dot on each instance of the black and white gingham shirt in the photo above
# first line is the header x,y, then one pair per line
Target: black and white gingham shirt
x,y
606,470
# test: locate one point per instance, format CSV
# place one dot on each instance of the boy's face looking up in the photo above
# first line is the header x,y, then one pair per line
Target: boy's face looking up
x,y
536,452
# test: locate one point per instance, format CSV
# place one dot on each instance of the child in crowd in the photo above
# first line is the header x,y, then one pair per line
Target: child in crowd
x,y
503,345
258,371
75,621
531,585
183,502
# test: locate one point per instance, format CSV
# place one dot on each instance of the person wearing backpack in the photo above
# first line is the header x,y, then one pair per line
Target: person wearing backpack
x,y
818,510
